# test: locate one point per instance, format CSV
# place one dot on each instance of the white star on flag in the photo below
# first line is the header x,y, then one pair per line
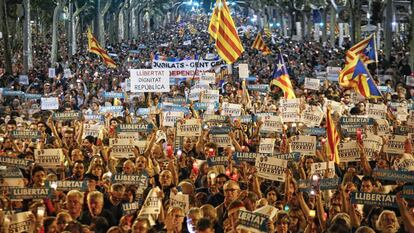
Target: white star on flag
x,y
279,66
368,48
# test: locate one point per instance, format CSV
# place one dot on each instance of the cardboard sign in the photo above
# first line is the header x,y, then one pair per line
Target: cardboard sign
x,y
271,168
312,116
372,145
51,103
14,162
152,204
11,177
312,84
67,185
231,109
139,180
320,168
374,199
249,157
91,130
215,118
350,125
335,106
382,127
325,184
267,145
304,144
20,222
290,110
180,200
252,222
134,127
189,128
258,87
170,118
52,73
267,210
109,95
393,175
314,131
122,148
66,116
395,144
376,111
25,134
271,124
243,71
208,78
348,151
150,80
49,158
222,140
210,96
29,193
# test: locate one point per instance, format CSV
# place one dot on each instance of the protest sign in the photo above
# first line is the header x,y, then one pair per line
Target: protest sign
x,y
12,93
267,145
376,111
20,222
185,68
271,124
52,73
189,128
271,168
393,175
312,84
134,127
408,191
130,208
49,158
109,95
334,105
312,116
249,157
215,118
23,80
290,111
245,119
324,184
152,204
267,210
14,162
320,168
222,129
180,200
208,78
217,160
258,87
170,118
231,109
25,134
67,73
332,73
222,140
66,116
405,164
29,193
150,80
50,103
395,144
350,125
348,151
94,117
11,177
252,222
304,144
91,130
140,180
67,185
32,96
210,96
382,127
122,147
294,156
374,199
314,131
243,71
372,145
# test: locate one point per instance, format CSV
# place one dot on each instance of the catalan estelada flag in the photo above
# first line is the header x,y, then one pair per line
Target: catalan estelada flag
x,y
94,47
365,49
333,138
260,45
281,78
267,31
223,31
356,75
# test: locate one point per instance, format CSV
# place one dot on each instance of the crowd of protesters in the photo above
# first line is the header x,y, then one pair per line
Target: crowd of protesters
x,y
216,193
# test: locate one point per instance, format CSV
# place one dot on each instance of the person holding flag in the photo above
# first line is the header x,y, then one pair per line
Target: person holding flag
x,y
281,78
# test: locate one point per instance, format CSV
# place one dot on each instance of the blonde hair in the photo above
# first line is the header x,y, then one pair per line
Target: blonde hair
x,y
209,212
75,193
96,195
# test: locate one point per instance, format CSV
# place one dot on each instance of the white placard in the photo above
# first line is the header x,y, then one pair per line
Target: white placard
x,y
52,73
267,145
51,103
20,222
312,83
152,204
208,78
49,158
170,118
91,130
150,80
290,110
222,140
395,144
335,106
304,144
383,128
180,200
320,168
410,81
23,79
231,109
376,111
187,42
271,168
243,70
189,128
210,96
372,145
67,73
348,151
271,124
312,116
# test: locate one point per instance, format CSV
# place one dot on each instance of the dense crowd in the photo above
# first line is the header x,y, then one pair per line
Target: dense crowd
x,y
162,179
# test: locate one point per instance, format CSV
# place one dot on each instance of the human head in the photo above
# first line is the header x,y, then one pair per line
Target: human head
x,y
62,219
176,216
128,167
141,225
193,215
272,195
282,222
205,225
250,201
231,191
74,203
49,225
166,178
364,229
387,222
116,193
233,211
95,203
367,185
209,212
78,169
38,176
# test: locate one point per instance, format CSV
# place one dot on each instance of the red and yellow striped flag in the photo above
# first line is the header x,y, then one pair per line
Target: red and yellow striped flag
x,y
267,31
223,31
260,45
94,47
333,138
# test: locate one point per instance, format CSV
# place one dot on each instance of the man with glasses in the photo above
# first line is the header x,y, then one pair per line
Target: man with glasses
x,y
231,191
216,188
